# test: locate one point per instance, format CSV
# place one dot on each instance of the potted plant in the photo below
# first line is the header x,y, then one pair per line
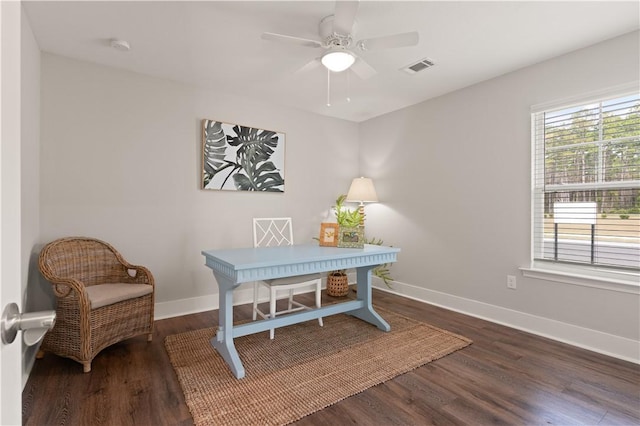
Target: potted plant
x,y
337,281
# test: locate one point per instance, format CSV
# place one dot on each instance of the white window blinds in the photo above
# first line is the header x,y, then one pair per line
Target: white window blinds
x,y
586,183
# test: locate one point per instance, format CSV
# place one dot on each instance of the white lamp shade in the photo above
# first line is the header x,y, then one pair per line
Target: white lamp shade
x,y
337,60
362,191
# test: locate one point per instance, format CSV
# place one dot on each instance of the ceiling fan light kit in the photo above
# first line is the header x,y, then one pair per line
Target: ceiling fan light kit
x,y
337,60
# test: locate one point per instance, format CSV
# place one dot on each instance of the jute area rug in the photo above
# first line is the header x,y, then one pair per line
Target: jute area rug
x,y
304,369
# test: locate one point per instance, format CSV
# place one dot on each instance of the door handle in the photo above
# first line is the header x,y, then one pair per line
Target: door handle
x,y
34,325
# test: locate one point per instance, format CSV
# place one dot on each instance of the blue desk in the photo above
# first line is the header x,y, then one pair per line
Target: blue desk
x,y
235,266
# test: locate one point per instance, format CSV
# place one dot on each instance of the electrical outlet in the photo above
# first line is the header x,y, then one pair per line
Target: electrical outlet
x,y
511,282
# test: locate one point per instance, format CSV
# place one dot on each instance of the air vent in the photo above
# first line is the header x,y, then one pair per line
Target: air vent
x,y
418,66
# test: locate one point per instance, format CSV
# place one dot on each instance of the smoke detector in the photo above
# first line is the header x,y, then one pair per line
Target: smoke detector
x,y
121,45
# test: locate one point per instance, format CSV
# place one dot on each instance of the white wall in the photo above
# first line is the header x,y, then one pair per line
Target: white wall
x,y
453,174
121,161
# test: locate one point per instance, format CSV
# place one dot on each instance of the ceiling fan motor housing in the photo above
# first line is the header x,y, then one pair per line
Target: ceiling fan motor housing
x,y
331,38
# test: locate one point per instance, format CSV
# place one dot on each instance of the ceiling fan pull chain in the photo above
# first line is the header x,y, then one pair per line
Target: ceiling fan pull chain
x,y
328,87
348,87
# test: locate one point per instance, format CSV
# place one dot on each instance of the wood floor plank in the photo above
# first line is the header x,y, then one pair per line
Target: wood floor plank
x,y
613,418
506,376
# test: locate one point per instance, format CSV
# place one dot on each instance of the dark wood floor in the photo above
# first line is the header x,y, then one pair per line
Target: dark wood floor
x,y
505,377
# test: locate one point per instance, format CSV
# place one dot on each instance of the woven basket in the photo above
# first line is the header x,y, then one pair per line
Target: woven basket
x,y
337,285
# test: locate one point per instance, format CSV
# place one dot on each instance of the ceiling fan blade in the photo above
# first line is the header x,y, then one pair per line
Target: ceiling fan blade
x,y
291,39
363,69
344,16
311,65
387,42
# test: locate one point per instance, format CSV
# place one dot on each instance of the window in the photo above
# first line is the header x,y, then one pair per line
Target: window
x,y
586,185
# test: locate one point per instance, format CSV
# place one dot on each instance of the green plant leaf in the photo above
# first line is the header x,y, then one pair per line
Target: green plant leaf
x,y
382,272
346,217
374,241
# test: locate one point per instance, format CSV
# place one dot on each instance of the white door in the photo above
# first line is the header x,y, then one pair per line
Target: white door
x,y
10,281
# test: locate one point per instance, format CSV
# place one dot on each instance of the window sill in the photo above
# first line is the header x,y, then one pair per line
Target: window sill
x,y
629,283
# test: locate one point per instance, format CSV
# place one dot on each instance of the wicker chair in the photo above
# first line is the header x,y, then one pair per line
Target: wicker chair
x,y
101,298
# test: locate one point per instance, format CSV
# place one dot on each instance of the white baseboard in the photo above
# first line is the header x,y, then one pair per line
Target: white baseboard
x,y
593,340
194,305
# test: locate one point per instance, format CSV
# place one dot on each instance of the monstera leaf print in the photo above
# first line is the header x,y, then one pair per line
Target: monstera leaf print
x,y
214,150
254,168
255,147
260,142
257,175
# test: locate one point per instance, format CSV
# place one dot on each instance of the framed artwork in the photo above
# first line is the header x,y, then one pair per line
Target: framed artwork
x,y
351,237
329,234
241,158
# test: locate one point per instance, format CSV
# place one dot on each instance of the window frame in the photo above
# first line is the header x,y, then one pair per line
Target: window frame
x,y
604,277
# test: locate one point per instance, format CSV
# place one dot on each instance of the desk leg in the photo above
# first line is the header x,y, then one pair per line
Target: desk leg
x,y
223,341
364,293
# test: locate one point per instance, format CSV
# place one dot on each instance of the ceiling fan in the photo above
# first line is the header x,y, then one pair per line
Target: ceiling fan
x,y
337,38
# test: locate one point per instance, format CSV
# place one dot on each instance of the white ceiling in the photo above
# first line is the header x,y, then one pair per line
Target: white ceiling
x,y
217,45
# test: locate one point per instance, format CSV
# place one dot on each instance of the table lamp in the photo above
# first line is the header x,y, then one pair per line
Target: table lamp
x,y
362,191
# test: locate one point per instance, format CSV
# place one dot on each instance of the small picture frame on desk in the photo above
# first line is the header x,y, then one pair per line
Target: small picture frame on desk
x,y
351,237
329,234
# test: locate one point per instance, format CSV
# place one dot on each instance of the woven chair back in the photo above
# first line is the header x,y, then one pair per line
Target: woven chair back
x,y
88,260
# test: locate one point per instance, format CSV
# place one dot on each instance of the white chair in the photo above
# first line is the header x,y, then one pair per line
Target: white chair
x,y
269,232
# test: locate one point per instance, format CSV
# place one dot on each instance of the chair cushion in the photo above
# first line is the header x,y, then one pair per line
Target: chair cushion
x,y
107,294
293,280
